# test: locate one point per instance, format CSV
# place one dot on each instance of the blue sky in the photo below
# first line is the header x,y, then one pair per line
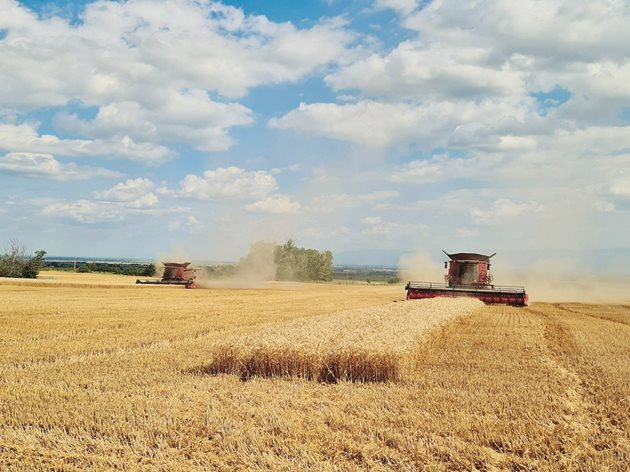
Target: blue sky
x,y
372,128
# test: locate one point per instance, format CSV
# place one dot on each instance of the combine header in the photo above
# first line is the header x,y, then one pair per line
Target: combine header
x,y
174,274
468,276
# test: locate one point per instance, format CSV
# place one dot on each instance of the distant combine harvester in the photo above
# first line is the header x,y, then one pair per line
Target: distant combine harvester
x,y
174,274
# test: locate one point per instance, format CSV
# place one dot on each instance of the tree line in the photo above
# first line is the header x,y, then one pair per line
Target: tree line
x,y
272,261
16,262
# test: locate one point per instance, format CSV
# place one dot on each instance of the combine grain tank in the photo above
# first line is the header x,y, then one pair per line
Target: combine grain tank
x,y
174,274
468,276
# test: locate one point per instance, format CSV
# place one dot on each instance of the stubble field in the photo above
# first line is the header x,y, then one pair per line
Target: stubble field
x,y
106,376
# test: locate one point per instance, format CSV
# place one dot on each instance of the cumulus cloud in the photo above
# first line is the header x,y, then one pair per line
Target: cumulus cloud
x,y
504,211
392,231
141,47
180,117
148,67
24,137
127,191
276,204
381,124
402,7
443,167
372,220
575,30
232,183
46,166
621,186
417,70
190,223
97,211
86,211
133,197
336,201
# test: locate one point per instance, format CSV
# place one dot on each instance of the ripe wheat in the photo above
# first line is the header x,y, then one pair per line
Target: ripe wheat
x,y
363,345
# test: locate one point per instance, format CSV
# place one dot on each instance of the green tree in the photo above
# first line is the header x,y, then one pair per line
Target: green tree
x,y
149,271
33,265
298,263
16,263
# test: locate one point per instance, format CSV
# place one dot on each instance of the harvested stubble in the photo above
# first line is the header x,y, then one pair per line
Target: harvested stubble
x,y
364,345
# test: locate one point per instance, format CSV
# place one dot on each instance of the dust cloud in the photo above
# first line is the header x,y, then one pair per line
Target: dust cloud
x,y
568,286
253,271
420,267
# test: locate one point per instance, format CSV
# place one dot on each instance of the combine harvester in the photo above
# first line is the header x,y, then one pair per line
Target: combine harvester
x,y
174,274
468,276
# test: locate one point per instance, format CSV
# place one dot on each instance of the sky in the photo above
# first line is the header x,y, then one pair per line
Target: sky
x,y
367,127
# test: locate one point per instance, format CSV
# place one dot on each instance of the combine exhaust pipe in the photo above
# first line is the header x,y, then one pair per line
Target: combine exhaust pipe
x,y
468,276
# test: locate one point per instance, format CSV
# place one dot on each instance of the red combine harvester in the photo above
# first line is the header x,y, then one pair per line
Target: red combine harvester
x,y
468,276
174,274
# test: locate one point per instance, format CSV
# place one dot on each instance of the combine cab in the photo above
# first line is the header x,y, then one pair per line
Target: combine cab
x,y
468,276
174,274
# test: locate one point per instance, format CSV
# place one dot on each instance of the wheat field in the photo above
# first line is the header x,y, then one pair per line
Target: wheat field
x,y
105,376
363,345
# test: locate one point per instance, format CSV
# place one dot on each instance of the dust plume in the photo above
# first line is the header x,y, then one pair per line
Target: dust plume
x,y
565,283
252,271
420,267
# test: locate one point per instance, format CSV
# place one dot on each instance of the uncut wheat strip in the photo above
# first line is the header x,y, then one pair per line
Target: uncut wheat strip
x,y
357,345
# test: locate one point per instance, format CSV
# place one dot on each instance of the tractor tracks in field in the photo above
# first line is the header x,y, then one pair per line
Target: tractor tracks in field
x,y
212,335
146,346
591,415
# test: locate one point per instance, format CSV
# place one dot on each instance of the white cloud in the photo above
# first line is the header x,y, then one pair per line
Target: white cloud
x,y
101,211
133,193
145,201
127,191
148,66
86,211
621,186
177,117
443,167
372,220
417,70
46,166
189,223
231,183
579,45
277,204
378,196
577,30
604,206
133,197
467,232
504,211
392,231
336,201
24,137
432,123
139,47
402,7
